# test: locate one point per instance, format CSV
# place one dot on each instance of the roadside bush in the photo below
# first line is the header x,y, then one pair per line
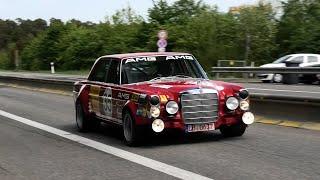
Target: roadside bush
x,y
5,62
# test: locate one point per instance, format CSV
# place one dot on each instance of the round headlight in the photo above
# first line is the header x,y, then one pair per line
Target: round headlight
x,y
248,118
244,105
157,125
232,103
244,94
154,100
154,111
172,107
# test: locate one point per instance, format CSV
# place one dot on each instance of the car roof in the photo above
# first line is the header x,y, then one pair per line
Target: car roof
x,y
132,55
304,54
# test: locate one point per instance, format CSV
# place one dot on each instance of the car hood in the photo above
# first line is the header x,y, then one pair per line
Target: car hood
x,y
274,65
173,87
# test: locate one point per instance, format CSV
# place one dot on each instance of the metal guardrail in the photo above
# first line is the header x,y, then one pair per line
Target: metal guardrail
x,y
271,70
56,84
67,85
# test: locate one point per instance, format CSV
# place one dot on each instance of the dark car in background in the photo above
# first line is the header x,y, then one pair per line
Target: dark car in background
x,y
310,78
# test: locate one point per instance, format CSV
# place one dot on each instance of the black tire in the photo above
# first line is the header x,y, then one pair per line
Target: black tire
x,y
234,130
309,82
130,130
277,80
84,123
266,81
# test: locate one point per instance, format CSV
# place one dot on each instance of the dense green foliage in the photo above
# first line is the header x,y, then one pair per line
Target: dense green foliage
x,y
255,33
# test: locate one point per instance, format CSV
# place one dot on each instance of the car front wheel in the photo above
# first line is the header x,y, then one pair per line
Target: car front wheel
x,y
130,131
277,78
234,130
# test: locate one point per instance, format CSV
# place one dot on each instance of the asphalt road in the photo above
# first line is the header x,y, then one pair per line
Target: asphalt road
x,y
264,152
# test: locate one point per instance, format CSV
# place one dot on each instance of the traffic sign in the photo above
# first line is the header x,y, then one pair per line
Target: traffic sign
x,y
162,43
162,34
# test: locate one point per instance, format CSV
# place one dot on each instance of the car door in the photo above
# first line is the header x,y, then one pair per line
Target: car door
x,y
97,80
109,95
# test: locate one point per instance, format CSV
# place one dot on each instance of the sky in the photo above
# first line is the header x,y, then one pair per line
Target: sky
x,y
87,10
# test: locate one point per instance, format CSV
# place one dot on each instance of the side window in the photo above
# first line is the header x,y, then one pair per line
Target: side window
x,y
100,71
114,72
312,59
297,59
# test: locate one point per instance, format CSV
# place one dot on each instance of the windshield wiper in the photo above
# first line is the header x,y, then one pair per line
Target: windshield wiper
x,y
156,78
182,76
170,77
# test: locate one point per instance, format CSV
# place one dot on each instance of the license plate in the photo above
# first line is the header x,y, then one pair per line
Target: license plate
x,y
200,127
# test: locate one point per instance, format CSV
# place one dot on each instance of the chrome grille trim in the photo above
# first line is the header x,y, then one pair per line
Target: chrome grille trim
x,y
197,108
199,99
201,105
198,112
202,118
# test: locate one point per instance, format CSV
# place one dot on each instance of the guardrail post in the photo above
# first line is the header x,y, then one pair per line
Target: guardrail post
x,y
52,68
217,74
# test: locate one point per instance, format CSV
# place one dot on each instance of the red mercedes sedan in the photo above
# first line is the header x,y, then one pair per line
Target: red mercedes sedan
x,y
159,92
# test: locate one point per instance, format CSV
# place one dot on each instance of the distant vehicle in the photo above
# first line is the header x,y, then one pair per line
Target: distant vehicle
x,y
310,78
159,92
303,59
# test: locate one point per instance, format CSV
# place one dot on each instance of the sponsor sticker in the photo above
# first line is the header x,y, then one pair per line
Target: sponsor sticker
x,y
163,98
107,101
135,97
122,95
139,59
179,57
94,98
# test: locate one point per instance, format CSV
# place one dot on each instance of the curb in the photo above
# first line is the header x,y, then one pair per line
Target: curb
x,y
286,123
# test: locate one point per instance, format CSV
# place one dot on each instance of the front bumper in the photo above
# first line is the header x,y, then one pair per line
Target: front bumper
x,y
228,120
265,77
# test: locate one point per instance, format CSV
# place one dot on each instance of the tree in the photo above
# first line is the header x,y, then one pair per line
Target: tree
x,y
161,13
299,27
257,30
123,32
45,48
5,62
81,46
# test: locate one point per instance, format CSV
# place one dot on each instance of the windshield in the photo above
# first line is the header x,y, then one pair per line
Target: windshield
x,y
149,68
281,60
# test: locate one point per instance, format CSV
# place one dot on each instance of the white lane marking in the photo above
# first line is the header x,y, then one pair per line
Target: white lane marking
x,y
280,90
144,161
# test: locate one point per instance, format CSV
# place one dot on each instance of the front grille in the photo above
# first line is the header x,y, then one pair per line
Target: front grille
x,y
199,108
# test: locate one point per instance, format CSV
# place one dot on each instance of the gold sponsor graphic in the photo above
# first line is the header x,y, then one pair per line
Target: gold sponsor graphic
x,y
144,112
163,98
94,98
135,97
